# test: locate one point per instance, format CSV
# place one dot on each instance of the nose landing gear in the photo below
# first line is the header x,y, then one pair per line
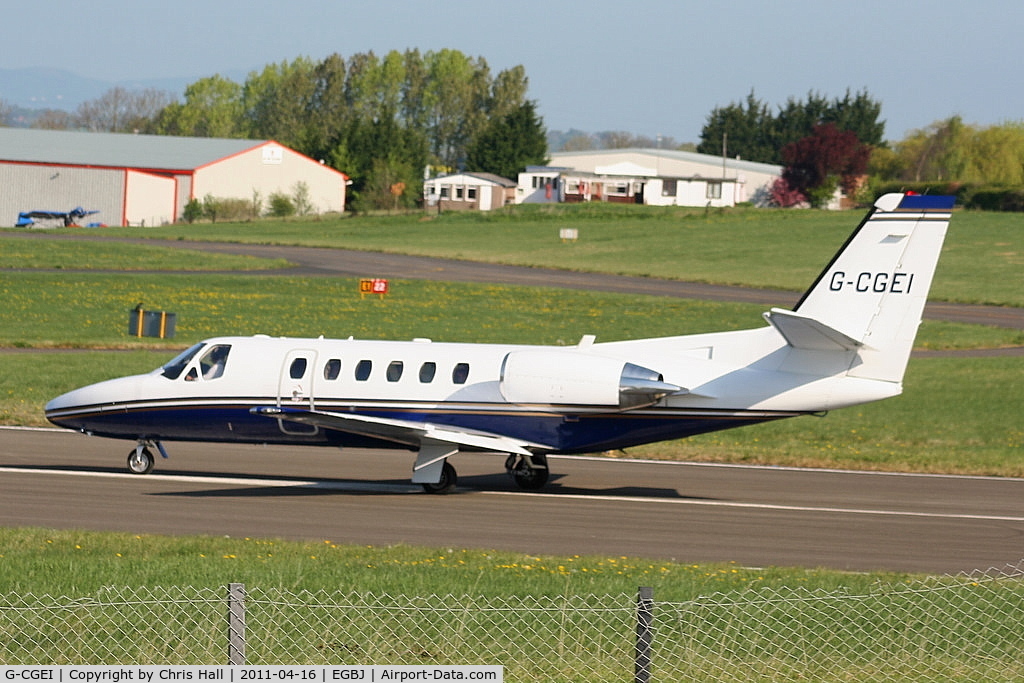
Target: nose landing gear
x,y
140,458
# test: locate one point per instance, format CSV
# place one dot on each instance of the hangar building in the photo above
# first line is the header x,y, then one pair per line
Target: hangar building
x,y
148,179
647,176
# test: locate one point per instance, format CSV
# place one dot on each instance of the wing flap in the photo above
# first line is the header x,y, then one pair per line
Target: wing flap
x,y
403,432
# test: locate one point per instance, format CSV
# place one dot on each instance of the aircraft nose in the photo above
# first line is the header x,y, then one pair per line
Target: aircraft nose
x,y
72,409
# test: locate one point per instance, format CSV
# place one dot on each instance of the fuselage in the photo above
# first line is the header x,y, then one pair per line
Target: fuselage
x,y
563,399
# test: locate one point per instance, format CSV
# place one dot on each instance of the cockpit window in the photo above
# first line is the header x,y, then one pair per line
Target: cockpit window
x,y
213,361
173,368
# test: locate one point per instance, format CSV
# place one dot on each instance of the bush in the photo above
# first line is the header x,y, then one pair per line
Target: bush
x,y
193,210
281,206
981,197
997,199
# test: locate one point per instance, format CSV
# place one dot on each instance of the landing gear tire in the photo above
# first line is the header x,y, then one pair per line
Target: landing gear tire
x,y
447,483
530,474
140,461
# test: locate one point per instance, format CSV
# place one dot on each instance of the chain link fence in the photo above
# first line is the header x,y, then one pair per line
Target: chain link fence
x,y
968,627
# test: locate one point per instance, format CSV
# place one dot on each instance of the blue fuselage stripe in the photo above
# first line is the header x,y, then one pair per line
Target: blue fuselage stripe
x,y
563,431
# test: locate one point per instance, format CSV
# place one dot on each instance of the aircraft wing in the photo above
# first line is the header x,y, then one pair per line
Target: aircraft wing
x,y
43,214
403,432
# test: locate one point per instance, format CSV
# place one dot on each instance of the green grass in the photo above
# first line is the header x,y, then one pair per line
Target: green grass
x,y
91,309
981,261
57,254
541,617
46,561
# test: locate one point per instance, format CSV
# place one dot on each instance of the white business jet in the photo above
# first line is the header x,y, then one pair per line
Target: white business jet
x,y
846,342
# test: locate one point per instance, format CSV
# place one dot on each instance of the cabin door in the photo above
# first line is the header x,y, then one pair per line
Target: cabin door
x,y
295,388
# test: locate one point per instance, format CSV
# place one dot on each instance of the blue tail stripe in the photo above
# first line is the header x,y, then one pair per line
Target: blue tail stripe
x,y
923,202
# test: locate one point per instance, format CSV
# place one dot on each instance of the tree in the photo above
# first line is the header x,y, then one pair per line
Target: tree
x,y
750,131
859,115
54,119
276,102
380,120
212,109
996,155
745,130
328,113
120,110
824,160
509,144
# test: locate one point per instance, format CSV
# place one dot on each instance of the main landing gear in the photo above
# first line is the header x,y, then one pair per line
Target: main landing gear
x,y
140,458
530,472
447,482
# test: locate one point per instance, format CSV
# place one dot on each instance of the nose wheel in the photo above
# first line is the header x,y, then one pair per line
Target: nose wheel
x,y
140,458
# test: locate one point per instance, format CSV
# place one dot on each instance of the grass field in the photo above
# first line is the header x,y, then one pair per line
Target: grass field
x,y
981,260
30,253
46,561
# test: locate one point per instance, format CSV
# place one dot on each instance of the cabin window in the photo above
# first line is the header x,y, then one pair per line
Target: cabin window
x,y
461,373
471,193
427,371
669,188
714,190
213,361
298,368
333,369
444,192
363,369
458,193
173,368
395,370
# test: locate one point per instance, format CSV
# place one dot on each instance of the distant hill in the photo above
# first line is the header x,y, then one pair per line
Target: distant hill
x,y
38,88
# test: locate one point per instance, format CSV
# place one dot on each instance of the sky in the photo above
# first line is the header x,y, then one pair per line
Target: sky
x,y
654,67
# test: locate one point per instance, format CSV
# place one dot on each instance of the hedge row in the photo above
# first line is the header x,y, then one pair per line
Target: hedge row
x,y
982,197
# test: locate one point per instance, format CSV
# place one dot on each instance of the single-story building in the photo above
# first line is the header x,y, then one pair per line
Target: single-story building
x,y
468,191
647,176
148,179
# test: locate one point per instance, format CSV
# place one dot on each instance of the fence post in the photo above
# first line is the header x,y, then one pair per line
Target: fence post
x,y
644,633
236,624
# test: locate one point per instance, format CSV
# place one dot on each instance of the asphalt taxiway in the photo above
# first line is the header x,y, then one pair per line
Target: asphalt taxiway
x,y
755,516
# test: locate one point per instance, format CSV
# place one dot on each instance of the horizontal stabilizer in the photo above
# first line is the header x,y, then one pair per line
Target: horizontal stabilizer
x,y
402,432
803,332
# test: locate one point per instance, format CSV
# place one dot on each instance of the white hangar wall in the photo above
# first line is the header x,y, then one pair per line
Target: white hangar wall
x,y
269,169
149,199
747,180
29,187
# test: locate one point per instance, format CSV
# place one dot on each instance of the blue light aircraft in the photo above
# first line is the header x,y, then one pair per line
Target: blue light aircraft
x,y
846,342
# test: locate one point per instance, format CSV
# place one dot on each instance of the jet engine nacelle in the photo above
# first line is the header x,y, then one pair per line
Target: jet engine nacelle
x,y
573,378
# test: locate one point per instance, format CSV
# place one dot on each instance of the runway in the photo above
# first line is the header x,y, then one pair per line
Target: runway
x,y
754,516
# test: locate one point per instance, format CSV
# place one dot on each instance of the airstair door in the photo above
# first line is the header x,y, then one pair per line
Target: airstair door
x,y
295,388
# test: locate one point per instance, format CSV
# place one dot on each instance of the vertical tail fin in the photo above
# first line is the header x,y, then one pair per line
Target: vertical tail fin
x,y
872,295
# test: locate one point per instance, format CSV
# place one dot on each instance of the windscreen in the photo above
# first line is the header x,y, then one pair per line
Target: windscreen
x,y
173,368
